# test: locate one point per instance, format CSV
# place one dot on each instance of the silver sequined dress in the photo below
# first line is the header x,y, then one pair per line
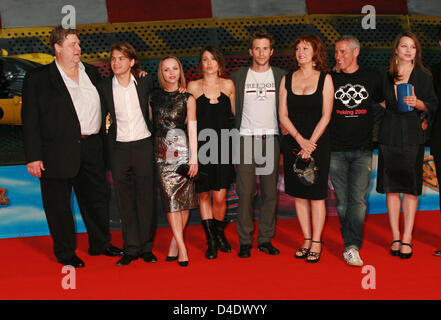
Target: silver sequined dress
x,y
171,149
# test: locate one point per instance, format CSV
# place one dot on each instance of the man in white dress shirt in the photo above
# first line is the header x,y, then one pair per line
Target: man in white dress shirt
x,y
63,143
125,101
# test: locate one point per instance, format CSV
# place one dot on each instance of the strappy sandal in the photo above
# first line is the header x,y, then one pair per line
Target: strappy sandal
x,y
315,255
406,255
395,252
303,251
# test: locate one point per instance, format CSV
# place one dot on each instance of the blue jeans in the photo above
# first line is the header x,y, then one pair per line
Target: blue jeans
x,y
350,175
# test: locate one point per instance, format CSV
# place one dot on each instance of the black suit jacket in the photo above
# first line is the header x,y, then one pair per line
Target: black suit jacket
x,y
435,137
51,129
143,86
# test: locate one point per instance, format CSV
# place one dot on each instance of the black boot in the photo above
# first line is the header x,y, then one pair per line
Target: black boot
x,y
210,234
222,242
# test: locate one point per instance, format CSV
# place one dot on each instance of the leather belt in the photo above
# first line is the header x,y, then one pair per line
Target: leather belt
x,y
87,136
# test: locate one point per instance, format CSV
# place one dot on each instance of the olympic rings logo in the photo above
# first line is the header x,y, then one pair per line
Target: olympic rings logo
x,y
351,95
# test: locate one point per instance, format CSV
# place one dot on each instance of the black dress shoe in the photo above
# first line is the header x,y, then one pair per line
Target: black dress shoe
x,y
74,262
245,251
125,260
149,257
268,248
113,251
110,251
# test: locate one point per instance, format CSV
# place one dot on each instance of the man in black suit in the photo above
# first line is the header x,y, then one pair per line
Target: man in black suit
x,y
61,117
435,147
124,99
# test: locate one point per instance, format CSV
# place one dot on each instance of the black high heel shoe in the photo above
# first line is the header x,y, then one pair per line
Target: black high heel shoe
x,y
302,252
406,255
314,255
171,258
183,263
395,252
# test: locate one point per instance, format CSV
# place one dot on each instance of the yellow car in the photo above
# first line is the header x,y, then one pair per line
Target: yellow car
x,y
12,72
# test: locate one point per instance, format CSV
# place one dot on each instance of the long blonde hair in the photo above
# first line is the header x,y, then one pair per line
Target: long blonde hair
x,y
161,80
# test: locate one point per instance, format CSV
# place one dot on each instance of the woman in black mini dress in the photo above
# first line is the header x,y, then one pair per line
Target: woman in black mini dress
x,y
214,102
305,107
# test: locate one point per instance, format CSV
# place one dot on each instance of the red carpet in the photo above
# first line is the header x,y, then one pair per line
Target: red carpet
x,y
29,270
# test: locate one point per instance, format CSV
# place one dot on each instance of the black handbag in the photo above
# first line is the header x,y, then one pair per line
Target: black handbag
x,y
307,172
183,171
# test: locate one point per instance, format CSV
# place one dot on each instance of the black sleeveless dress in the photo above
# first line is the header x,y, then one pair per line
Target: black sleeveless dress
x,y
305,112
214,116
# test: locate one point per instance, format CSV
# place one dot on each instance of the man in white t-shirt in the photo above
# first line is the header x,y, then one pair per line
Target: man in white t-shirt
x,y
257,91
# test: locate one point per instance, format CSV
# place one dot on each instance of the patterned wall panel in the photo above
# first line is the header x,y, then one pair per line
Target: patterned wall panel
x,y
185,38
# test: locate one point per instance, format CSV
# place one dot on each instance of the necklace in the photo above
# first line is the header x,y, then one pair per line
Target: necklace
x,y
212,100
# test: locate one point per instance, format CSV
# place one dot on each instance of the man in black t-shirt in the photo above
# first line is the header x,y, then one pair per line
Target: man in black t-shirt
x,y
351,127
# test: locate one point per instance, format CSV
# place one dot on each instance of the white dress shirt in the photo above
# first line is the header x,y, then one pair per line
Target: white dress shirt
x,y
130,121
85,98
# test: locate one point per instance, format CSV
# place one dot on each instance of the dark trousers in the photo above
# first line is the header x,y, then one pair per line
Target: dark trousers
x,y
247,172
92,194
133,177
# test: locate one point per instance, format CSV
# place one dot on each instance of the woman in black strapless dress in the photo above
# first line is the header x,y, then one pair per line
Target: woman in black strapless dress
x,y
214,99
305,107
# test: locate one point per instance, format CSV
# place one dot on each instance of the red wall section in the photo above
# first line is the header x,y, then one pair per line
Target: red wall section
x,y
151,10
354,6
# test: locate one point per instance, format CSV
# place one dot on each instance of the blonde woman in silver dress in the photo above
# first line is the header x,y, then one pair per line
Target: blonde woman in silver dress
x,y
172,113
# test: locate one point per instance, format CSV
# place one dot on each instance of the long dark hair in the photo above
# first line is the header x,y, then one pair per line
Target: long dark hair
x,y
218,56
418,61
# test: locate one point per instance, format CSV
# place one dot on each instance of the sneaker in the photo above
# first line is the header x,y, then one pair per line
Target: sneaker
x,y
352,257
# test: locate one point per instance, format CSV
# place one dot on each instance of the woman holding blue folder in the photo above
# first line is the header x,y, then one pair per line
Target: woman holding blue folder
x,y
409,101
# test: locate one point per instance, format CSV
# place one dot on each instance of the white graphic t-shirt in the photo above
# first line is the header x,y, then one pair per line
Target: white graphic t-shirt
x,y
259,115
